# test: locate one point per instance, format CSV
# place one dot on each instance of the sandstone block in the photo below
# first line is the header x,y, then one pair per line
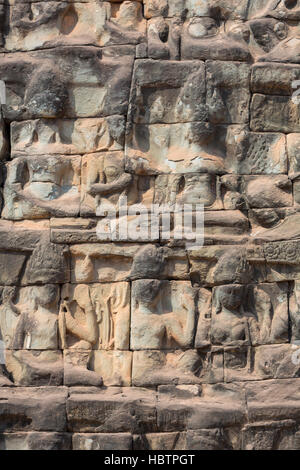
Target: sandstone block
x,y
33,409
86,441
112,410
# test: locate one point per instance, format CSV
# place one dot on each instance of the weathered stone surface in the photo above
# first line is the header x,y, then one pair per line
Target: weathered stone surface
x,y
274,79
208,439
188,188
150,225
37,187
294,309
114,366
49,263
163,315
95,316
35,441
176,8
293,143
159,148
65,82
160,441
273,400
202,39
171,148
287,51
276,435
35,368
220,406
164,92
228,94
33,409
255,152
154,367
220,264
69,137
114,262
76,370
274,114
256,192
163,37
276,361
54,23
86,441
112,410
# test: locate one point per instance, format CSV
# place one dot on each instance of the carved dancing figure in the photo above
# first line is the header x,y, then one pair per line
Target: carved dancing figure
x,y
78,317
107,178
154,328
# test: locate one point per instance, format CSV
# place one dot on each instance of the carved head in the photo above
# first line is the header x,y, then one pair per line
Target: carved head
x,y
146,292
45,295
147,263
47,263
113,168
229,297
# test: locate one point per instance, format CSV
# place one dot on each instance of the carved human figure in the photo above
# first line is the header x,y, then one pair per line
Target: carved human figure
x,y
48,263
78,323
270,307
37,325
95,317
264,321
196,189
39,186
158,326
229,323
106,179
112,308
232,192
9,315
78,330
295,312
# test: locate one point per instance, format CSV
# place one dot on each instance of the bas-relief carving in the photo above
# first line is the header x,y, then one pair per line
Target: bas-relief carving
x,y
215,149
261,320
165,102
105,183
214,30
67,137
62,83
163,315
37,187
123,262
32,322
59,23
188,189
48,263
95,316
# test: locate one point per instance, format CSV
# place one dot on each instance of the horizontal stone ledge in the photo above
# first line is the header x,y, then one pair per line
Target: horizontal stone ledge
x,y
67,136
35,441
33,409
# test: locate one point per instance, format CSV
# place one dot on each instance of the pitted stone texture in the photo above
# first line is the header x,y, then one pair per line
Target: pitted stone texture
x,y
66,82
51,24
67,137
140,340
33,409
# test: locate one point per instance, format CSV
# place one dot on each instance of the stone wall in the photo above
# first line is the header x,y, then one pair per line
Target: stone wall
x,y
148,344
